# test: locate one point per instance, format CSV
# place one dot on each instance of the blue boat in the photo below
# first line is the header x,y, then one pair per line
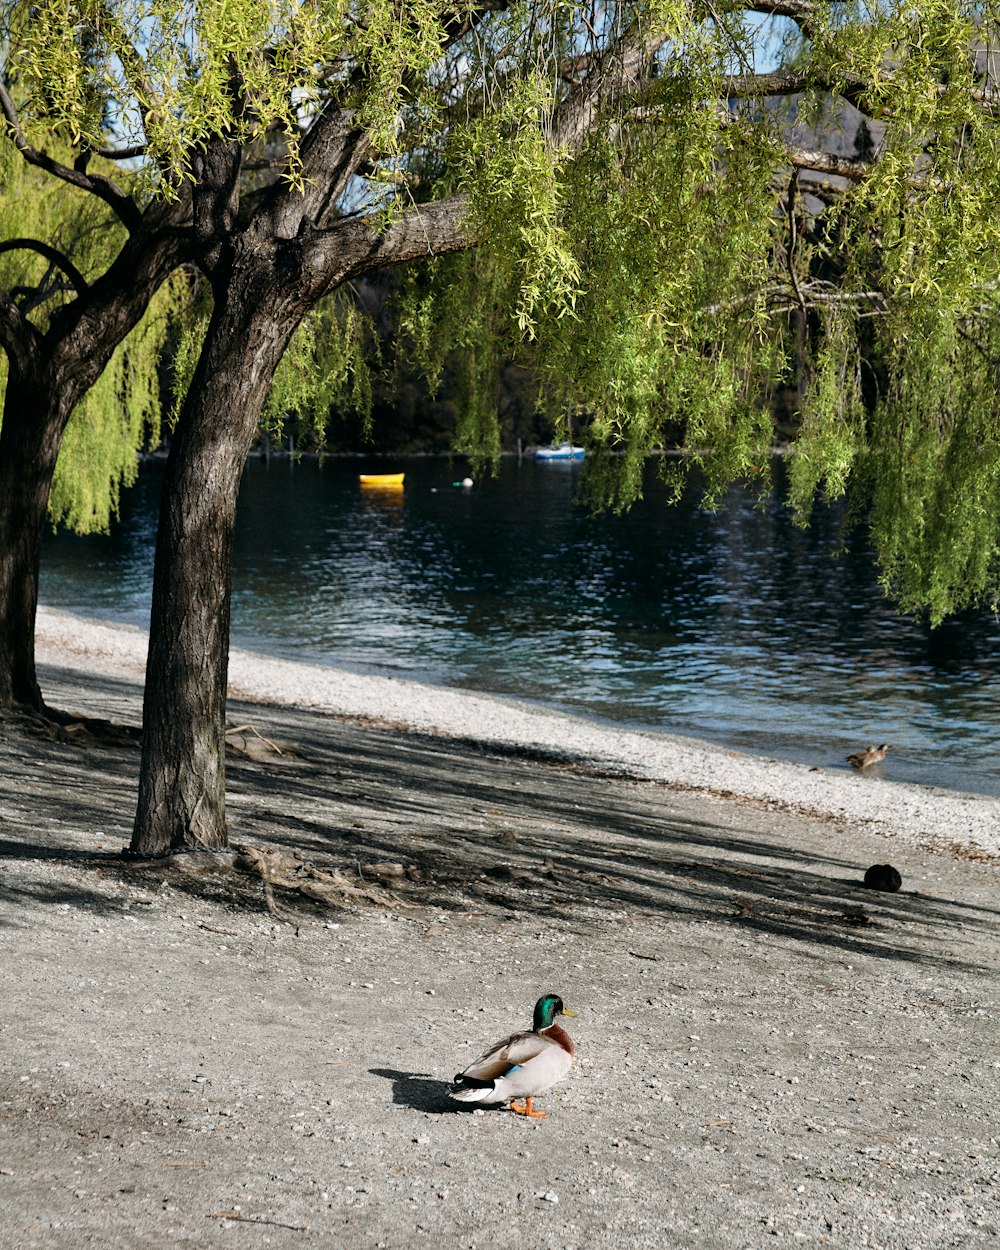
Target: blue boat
x,y
562,451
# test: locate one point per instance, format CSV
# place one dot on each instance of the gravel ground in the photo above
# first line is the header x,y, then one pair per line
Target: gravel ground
x,y
766,1048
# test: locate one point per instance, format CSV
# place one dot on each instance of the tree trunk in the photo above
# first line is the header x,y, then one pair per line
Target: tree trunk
x,y
47,376
35,416
264,285
182,799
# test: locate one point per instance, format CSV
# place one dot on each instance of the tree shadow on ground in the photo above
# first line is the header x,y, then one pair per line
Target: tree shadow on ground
x,y
491,832
57,894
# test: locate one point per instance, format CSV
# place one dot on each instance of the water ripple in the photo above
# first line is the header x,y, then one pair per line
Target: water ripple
x,y
732,625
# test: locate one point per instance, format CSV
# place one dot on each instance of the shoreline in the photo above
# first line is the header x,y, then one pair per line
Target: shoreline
x,y
921,816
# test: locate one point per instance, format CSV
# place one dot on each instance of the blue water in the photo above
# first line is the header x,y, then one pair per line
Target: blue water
x,y
734,626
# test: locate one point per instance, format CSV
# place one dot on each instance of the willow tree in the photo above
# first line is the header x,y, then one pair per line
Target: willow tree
x,y
81,261
654,202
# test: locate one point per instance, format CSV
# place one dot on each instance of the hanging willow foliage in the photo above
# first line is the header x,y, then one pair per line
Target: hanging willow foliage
x,y
327,369
653,303
671,214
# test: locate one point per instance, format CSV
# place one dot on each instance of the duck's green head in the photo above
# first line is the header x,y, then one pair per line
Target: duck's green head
x,y
546,1009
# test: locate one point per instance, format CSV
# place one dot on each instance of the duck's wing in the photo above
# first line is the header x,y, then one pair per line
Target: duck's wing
x,y
510,1053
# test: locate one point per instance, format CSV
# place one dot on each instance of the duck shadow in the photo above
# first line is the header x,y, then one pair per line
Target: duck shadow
x,y
419,1091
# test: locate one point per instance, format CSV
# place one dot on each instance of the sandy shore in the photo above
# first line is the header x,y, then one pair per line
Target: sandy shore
x,y
766,1049
917,814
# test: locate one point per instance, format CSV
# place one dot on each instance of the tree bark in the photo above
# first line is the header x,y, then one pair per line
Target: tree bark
x,y
182,798
35,416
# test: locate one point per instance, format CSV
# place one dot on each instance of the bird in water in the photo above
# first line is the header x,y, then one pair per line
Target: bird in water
x,y
864,759
522,1065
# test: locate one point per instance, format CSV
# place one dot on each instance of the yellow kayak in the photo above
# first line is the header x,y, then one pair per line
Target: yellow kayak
x,y
381,479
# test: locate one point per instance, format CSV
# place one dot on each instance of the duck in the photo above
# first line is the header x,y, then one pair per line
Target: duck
x,y
521,1066
865,759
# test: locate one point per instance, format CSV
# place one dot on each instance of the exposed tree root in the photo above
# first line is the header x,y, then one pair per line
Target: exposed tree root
x,y
249,743
58,726
289,873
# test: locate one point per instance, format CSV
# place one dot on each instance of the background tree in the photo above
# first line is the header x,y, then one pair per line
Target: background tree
x,y
644,216
80,266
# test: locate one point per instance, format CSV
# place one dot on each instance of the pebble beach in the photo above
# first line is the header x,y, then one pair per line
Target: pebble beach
x,y
767,1050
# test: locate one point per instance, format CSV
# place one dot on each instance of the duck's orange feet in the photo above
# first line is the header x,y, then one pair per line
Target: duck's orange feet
x,y
526,1109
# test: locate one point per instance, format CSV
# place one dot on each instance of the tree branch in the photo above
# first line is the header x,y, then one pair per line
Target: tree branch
x,y
336,149
18,337
777,82
792,239
778,303
354,246
332,152
122,154
803,12
456,24
826,163
51,254
116,301
215,196
609,79
616,71
11,322
853,88
122,205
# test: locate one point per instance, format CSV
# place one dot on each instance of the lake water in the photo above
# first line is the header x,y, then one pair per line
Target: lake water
x,y
733,626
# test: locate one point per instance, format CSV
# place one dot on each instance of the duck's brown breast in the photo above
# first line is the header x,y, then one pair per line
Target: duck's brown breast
x,y
556,1034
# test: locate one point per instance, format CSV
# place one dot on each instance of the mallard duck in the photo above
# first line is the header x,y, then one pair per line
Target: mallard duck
x,y
522,1065
865,759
